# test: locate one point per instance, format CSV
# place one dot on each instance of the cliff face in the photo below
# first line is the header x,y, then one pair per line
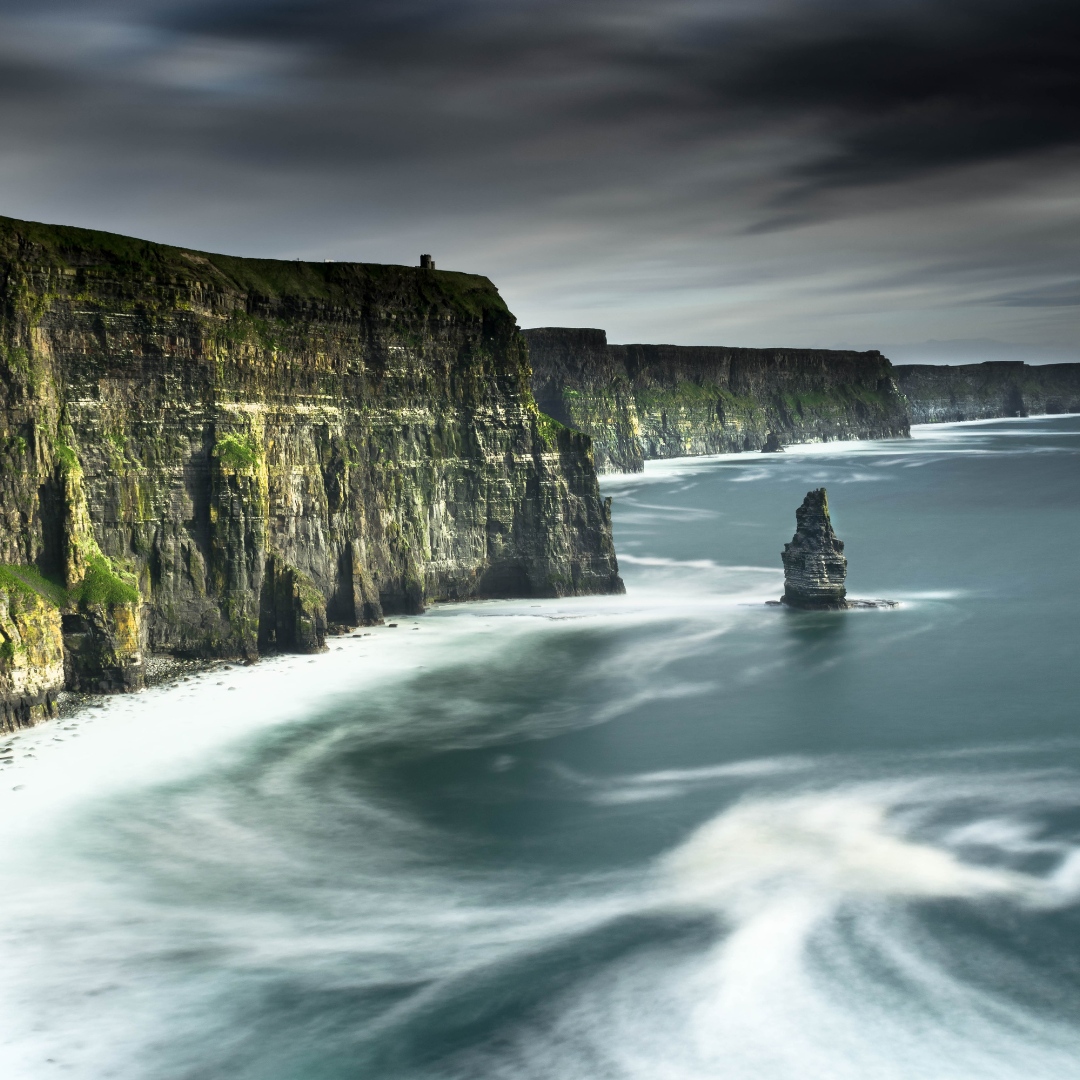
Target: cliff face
x,y
944,393
657,401
220,456
577,380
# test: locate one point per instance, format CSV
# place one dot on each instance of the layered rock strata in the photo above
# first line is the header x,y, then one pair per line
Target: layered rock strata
x,y
948,393
577,380
214,456
815,567
656,401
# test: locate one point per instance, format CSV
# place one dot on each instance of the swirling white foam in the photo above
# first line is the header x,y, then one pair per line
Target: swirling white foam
x,y
818,968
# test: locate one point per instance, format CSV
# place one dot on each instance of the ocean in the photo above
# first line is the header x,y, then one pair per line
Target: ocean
x,y
673,835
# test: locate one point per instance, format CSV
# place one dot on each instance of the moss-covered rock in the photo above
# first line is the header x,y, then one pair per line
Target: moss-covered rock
x,y
31,653
102,648
292,612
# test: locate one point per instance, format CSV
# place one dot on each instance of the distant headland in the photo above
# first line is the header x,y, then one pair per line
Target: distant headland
x,y
641,402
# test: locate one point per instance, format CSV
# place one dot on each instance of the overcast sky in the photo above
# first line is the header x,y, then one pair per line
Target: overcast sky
x,y
878,173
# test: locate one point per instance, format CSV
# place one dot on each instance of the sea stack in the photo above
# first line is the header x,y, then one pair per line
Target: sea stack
x,y
814,563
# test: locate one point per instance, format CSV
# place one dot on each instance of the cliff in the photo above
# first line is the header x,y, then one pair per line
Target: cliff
x,y
943,393
657,401
216,456
577,380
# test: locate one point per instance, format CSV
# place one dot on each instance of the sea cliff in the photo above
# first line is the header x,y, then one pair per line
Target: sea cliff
x,y
215,456
943,393
656,401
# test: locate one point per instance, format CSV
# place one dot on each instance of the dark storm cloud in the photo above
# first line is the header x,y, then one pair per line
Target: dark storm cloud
x,y
886,89
915,87
867,92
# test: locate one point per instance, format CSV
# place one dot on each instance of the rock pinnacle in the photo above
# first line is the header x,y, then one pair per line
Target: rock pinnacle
x,y
814,563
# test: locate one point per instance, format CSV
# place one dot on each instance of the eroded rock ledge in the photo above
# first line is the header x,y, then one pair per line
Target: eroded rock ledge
x,y
212,456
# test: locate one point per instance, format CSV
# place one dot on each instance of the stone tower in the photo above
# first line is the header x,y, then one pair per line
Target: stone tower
x,y
814,563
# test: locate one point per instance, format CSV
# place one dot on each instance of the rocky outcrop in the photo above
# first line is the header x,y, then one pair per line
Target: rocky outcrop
x,y
292,610
655,401
947,393
214,456
815,568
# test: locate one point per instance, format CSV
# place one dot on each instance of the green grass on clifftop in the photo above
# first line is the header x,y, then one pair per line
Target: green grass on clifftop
x,y
340,283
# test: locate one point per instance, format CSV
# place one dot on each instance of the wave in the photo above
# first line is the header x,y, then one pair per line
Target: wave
x,y
825,960
929,443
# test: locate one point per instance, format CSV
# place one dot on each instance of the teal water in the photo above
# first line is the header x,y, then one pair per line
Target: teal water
x,y
677,834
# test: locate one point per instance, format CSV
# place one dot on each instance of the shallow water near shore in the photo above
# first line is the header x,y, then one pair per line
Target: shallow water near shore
x,y
674,834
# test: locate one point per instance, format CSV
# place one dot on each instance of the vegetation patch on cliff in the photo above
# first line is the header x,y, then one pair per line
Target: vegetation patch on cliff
x,y
245,329
549,428
102,585
694,399
64,452
30,581
238,452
